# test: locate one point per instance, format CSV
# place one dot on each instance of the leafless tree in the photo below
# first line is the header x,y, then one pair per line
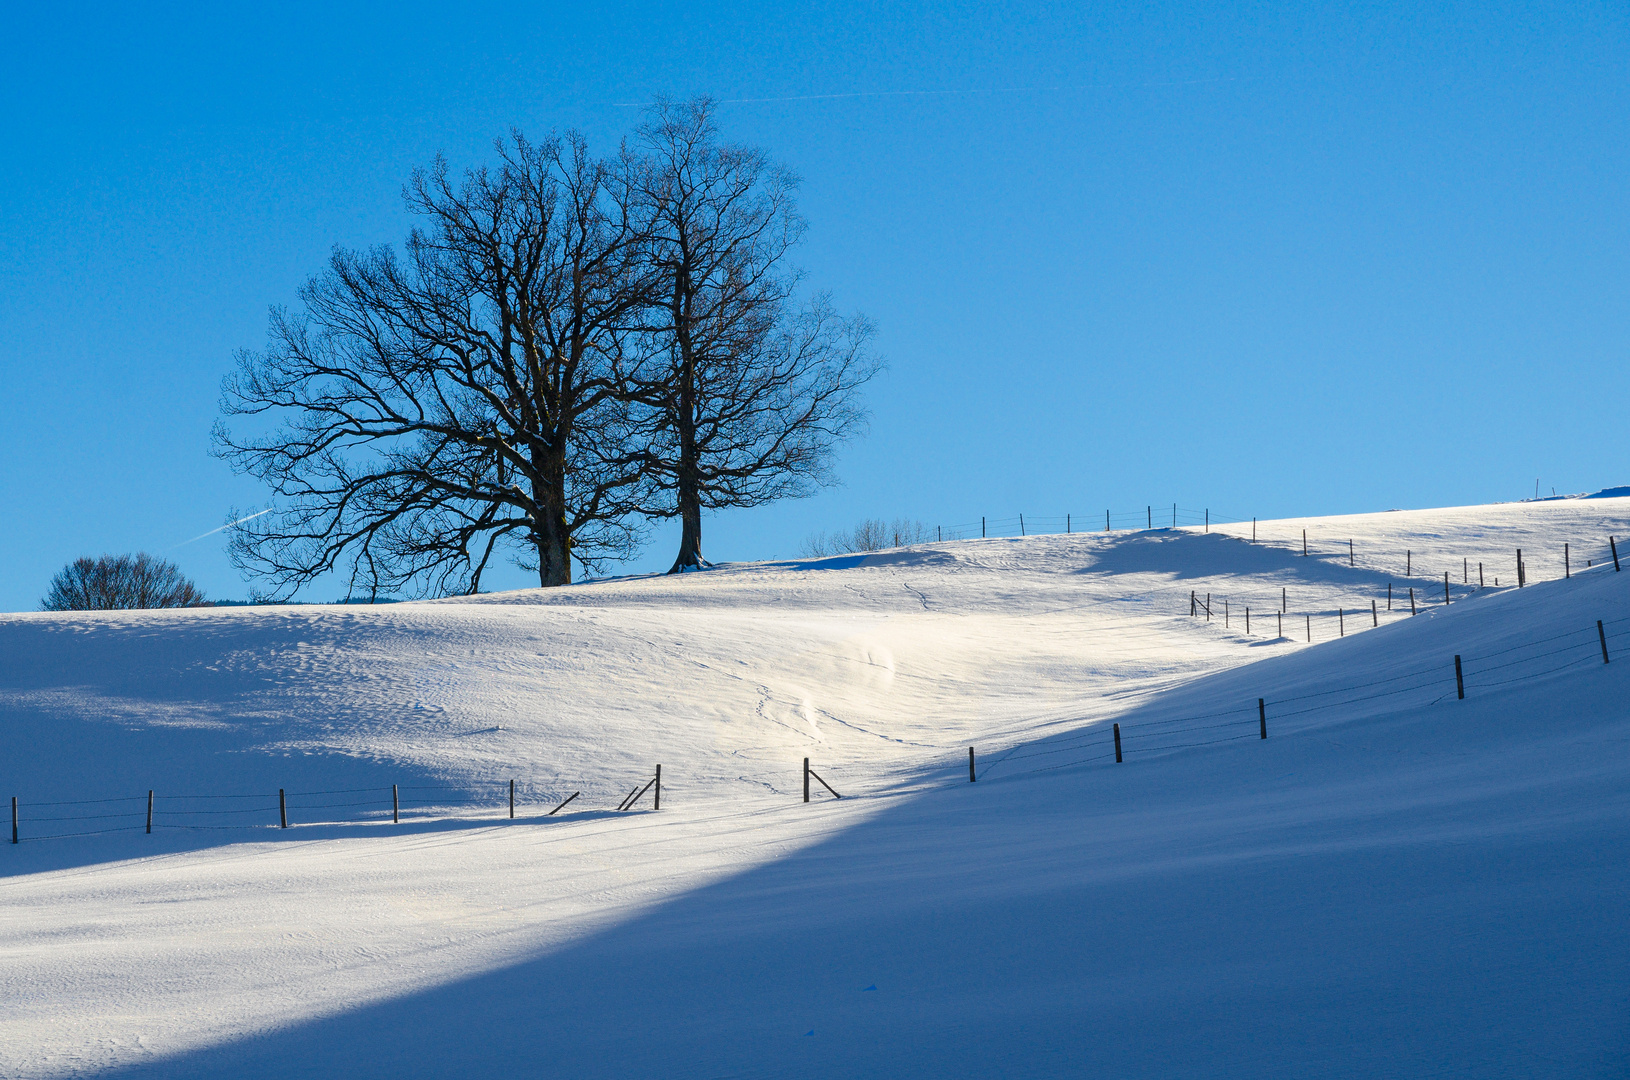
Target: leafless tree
x,y
115,582
430,412
746,394
873,534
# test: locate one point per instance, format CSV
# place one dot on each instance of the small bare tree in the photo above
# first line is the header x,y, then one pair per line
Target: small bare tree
x,y
440,408
873,534
746,395
118,582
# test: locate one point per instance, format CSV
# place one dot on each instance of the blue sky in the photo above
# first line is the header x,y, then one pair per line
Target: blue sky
x,y
1268,260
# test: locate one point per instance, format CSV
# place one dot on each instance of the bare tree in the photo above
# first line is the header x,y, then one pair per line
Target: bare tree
x,y
443,408
116,582
873,534
747,395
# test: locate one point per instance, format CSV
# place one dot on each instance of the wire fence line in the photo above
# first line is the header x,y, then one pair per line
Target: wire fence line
x,y
1525,661
1432,683
1418,585
1402,594
1486,567
1170,515
265,810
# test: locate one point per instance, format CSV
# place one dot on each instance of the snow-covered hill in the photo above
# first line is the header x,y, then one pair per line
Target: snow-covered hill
x,y
1397,881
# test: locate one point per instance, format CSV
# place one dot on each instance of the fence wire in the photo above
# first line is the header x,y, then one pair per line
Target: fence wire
x,y
1438,681
1496,668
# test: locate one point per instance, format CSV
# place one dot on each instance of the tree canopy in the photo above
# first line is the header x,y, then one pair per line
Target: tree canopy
x,y
566,348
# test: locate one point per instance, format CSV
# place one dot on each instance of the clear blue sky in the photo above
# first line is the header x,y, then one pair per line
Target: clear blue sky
x,y
1304,259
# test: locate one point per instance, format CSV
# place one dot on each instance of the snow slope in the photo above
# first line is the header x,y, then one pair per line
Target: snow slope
x,y
1395,882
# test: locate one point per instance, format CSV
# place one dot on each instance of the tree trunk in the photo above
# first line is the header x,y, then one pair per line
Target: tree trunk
x,y
690,536
689,485
554,553
688,481
689,496
550,532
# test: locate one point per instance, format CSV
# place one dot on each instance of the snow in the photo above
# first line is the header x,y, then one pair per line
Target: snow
x,y
1396,881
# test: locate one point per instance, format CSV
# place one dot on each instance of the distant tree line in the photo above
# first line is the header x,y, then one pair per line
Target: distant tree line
x,y
567,348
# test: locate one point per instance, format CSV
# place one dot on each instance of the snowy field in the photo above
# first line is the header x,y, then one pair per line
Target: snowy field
x,y
1396,882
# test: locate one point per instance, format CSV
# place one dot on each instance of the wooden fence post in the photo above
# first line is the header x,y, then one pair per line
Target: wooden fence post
x,y
396,807
1341,622
1460,680
512,800
1479,575
1375,615
14,819
1446,588
1350,561
1521,577
981,527
282,810
971,776
1465,571
806,779
1021,524
1603,635
1309,619
1412,599
1066,524
1304,543
656,797
1567,569
1117,761
1262,715
1281,617
1389,596
563,802
1284,603
150,803
1247,620
1151,512
1614,544
1409,563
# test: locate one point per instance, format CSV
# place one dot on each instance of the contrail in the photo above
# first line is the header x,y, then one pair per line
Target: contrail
x,y
942,93
223,528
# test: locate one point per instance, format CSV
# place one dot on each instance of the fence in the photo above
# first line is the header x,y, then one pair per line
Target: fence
x,y
267,810
1433,585
1457,676
1151,517
1413,588
1432,683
